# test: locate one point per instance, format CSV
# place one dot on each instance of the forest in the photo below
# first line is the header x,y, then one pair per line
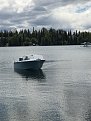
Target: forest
x,y
43,37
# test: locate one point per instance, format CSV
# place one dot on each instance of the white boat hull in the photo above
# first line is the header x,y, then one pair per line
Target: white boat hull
x,y
35,65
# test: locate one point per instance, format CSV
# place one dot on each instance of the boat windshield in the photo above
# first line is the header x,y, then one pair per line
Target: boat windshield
x,y
31,57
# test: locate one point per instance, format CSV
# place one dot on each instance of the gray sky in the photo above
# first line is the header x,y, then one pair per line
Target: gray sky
x,y
58,14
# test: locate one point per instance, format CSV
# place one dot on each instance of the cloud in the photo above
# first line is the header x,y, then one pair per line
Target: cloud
x,y
65,14
58,3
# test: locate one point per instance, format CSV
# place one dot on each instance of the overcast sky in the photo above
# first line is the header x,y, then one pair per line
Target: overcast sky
x,y
58,14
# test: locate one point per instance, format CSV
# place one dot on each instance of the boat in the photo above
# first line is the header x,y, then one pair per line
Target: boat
x,y
86,44
34,62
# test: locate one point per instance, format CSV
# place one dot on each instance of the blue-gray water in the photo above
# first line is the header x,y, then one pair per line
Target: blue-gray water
x,y
60,92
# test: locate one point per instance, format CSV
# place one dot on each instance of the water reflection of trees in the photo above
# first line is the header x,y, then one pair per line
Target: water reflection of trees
x,y
31,74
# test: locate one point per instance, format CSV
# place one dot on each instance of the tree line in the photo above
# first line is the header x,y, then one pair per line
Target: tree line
x,y
43,37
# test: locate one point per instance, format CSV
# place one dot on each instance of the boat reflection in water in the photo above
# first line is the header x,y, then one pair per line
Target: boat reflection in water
x,y
31,74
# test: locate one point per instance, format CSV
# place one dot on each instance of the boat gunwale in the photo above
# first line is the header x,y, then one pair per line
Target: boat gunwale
x,y
28,61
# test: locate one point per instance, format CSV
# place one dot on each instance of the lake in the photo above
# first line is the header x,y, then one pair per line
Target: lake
x,y
61,91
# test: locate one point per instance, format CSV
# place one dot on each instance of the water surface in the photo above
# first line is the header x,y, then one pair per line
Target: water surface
x,y
61,91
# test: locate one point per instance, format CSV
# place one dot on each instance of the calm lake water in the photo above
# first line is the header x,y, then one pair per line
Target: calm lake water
x,y
61,91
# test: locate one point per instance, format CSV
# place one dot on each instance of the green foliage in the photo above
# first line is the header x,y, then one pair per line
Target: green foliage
x,y
43,37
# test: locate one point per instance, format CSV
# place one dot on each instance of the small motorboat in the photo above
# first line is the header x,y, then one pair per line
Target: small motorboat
x,y
86,44
34,62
